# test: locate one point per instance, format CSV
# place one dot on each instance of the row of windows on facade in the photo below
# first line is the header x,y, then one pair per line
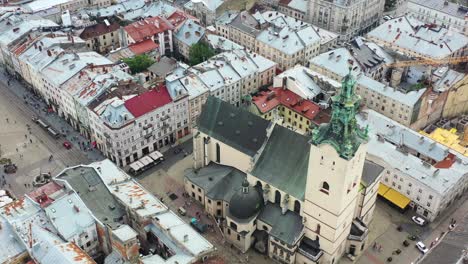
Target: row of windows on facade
x,y
443,18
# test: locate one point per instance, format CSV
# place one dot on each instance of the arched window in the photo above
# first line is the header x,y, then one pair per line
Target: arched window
x,y
325,188
218,153
233,226
297,206
277,197
259,185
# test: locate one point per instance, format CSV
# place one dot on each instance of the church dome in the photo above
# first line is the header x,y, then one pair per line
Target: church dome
x,y
246,202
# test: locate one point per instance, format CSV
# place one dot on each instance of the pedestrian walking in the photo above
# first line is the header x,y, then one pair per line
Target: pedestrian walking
x,y
30,140
25,136
16,149
8,121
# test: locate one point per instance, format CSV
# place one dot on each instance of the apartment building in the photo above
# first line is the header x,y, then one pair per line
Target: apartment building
x,y
188,34
283,39
293,8
402,106
102,37
157,29
53,9
445,13
416,39
151,224
345,18
221,44
205,10
59,212
425,175
15,30
297,100
230,76
129,123
31,58
58,81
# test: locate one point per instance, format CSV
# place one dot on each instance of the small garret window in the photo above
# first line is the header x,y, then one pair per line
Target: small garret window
x,y
325,188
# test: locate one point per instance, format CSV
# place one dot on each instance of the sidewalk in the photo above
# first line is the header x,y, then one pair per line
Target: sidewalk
x,y
38,106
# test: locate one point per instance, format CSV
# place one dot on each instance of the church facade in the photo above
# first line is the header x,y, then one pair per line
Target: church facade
x,y
294,198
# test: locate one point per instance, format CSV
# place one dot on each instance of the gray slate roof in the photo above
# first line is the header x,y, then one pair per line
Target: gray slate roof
x,y
233,126
286,170
219,182
370,172
287,228
163,66
94,193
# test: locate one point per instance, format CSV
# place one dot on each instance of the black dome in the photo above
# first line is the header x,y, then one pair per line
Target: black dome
x,y
246,202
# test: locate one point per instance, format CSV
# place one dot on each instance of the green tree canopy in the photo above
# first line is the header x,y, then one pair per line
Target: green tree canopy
x,y
139,63
199,53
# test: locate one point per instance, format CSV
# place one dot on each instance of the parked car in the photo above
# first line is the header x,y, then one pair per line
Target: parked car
x,y
386,18
67,145
200,227
420,245
419,220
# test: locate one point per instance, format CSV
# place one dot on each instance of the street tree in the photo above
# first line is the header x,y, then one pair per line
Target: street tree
x,y
199,53
139,63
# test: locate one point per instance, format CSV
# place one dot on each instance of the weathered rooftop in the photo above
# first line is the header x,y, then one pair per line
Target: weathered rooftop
x,y
430,41
190,32
11,243
70,216
449,167
94,193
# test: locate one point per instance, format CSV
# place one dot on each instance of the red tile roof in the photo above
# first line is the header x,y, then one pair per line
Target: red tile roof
x,y
148,101
178,17
143,47
447,162
147,28
267,100
41,194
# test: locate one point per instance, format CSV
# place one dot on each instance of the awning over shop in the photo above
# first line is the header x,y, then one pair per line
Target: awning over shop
x,y
383,189
393,196
397,198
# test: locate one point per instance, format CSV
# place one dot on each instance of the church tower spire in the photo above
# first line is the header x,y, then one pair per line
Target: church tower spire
x,y
342,132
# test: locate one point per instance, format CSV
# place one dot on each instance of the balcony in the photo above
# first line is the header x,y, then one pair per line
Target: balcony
x,y
163,118
147,126
310,249
358,231
148,135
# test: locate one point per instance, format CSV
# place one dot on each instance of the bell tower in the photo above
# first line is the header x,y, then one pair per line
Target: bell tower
x,y
337,155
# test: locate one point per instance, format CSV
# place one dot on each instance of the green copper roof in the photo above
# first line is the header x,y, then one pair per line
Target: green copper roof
x,y
233,126
284,161
342,132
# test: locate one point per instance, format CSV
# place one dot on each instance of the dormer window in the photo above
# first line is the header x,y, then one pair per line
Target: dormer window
x,y
325,188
